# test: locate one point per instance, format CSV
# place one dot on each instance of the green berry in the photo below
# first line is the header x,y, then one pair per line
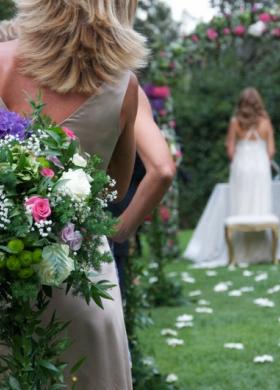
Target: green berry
x,y
37,256
43,162
13,263
26,258
16,245
25,273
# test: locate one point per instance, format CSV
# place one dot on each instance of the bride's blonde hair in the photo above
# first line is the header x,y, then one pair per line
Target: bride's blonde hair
x,y
76,45
250,109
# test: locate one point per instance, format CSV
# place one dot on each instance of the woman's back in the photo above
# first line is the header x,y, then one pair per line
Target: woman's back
x,y
97,120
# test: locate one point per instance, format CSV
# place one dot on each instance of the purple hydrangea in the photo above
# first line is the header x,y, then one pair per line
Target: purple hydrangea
x,y
71,237
12,123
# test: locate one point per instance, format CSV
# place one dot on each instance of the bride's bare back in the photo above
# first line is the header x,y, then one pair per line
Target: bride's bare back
x,y
263,131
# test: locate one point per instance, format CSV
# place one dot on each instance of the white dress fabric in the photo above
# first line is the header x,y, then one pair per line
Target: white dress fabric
x,y
248,193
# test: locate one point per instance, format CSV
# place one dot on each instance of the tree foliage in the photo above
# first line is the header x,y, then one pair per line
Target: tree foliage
x,y
7,9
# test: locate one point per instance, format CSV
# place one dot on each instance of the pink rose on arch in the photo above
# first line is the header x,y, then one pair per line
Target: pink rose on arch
x,y
47,172
276,32
40,208
265,17
227,31
164,214
161,92
212,34
69,133
195,38
239,31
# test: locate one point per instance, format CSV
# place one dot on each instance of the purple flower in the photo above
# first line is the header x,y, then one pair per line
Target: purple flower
x,y
71,237
55,160
157,104
76,243
12,123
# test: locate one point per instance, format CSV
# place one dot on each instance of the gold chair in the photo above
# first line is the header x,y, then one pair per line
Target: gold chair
x,y
251,223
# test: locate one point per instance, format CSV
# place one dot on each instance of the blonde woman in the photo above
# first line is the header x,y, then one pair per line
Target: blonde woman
x,y
81,54
250,146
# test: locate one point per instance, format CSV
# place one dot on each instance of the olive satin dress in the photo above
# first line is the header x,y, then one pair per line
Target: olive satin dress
x,y
98,335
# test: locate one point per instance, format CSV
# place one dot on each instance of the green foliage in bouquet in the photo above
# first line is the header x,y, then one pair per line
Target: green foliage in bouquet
x,y
53,216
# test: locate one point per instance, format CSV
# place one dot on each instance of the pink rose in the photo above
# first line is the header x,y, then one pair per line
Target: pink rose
x,y
265,17
164,214
239,31
162,112
276,32
69,133
161,92
40,208
227,31
172,124
47,172
195,38
212,34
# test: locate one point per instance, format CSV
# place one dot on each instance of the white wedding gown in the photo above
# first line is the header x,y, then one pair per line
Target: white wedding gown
x,y
249,193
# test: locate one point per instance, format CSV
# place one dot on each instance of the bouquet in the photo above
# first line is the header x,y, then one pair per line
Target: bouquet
x,y
53,201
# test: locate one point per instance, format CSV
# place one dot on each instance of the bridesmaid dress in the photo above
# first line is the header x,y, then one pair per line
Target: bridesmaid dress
x,y
98,335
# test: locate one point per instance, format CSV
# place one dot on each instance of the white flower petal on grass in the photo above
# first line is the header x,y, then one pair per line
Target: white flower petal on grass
x,y
261,277
264,302
248,273
153,265
171,378
195,293
222,286
173,342
243,265
238,346
188,279
203,302
182,325
169,332
172,274
153,280
274,289
232,268
278,319
204,310
264,359
148,361
247,289
235,293
185,318
211,273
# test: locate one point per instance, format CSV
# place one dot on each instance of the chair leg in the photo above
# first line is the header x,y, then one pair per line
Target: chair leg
x,y
275,239
228,234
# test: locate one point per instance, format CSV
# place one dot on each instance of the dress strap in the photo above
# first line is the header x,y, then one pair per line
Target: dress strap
x,y
252,132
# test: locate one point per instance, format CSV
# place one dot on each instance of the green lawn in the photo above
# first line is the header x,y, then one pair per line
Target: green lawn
x,y
203,363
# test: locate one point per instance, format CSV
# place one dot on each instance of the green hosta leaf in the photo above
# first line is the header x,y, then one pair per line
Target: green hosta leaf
x,y
56,265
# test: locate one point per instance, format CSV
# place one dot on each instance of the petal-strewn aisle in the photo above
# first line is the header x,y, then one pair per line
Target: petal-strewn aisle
x,y
226,335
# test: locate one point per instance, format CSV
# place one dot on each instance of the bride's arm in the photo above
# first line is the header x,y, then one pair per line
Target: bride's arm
x,y
231,139
123,159
270,140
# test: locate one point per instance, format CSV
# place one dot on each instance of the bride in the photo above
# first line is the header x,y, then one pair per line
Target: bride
x,y
81,54
250,146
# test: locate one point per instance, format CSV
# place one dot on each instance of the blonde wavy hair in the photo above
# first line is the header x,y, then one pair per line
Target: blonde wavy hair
x,y
76,45
250,109
8,30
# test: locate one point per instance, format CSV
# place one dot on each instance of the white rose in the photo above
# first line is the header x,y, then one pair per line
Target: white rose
x,y
75,183
257,29
79,161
